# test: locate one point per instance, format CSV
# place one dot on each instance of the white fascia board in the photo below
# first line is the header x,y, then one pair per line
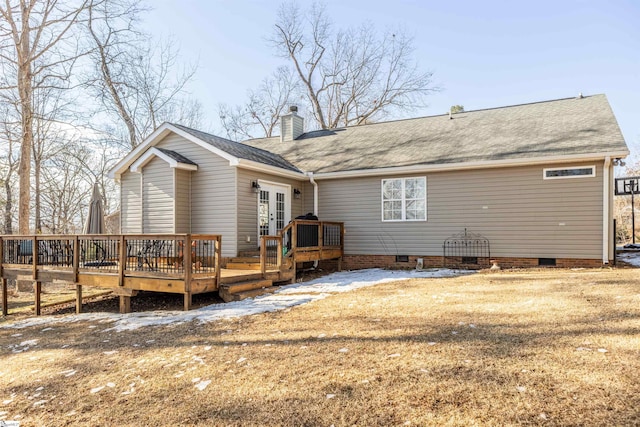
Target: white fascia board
x,y
154,152
155,137
162,131
468,165
273,170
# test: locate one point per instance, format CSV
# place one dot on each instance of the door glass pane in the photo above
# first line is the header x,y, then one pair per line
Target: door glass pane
x,y
279,211
263,213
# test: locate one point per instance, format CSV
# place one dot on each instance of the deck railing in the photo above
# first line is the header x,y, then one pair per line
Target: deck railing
x,y
302,240
163,254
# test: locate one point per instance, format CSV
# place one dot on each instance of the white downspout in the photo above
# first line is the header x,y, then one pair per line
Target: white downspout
x,y
315,193
605,209
315,204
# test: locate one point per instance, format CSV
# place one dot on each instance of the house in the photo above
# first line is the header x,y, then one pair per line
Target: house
x,y
534,181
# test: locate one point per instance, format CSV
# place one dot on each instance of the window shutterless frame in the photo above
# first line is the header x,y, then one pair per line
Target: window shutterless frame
x,y
403,199
572,172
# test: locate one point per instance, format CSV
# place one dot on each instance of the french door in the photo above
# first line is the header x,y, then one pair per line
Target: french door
x,y
274,208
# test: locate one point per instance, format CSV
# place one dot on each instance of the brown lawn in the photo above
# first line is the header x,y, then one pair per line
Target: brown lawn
x,y
535,347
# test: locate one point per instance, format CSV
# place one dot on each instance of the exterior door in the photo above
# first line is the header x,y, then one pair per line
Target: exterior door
x,y
274,208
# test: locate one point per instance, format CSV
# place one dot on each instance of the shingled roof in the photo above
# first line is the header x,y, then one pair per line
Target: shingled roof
x,y
240,150
563,127
177,156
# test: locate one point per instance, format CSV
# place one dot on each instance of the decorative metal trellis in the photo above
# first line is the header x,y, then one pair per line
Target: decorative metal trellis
x,y
466,248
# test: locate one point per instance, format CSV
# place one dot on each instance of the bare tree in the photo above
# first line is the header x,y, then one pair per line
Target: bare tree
x,y
66,195
135,79
9,136
352,76
36,38
259,116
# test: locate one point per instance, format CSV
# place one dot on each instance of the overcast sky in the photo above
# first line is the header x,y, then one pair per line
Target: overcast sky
x,y
483,53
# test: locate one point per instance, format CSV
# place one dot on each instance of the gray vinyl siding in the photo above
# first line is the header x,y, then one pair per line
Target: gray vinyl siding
x,y
183,201
130,203
308,198
213,192
520,213
157,197
248,205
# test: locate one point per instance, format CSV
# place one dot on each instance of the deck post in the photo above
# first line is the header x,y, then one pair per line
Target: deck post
x,y
218,259
188,271
37,288
78,299
125,304
76,258
34,255
122,261
320,238
76,267
293,268
263,255
279,254
38,302
5,299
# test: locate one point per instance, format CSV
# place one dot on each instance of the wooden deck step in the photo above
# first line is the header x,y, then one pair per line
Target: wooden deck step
x,y
235,276
245,259
243,265
247,289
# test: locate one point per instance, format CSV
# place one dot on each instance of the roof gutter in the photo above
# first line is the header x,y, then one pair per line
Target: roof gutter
x,y
606,206
315,192
261,167
446,167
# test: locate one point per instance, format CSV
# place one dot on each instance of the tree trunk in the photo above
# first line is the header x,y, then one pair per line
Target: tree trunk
x,y
38,205
25,91
8,207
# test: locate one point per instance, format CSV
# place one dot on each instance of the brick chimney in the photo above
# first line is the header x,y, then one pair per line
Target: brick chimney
x,y
291,125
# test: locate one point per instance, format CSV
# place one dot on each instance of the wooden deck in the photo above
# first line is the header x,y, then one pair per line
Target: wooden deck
x,y
127,264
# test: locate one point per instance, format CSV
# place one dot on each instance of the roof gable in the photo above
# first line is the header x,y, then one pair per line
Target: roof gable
x,y
237,154
175,160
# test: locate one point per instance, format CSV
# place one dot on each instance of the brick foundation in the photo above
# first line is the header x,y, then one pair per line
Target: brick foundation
x,y
356,262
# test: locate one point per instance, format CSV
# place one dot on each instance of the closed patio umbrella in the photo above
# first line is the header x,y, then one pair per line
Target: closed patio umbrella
x,y
95,217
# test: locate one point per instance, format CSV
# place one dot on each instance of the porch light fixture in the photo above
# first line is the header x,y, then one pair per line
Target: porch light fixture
x,y
618,162
255,186
296,193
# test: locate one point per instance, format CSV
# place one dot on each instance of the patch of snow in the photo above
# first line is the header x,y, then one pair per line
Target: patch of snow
x,y
97,389
343,350
632,258
282,299
330,396
202,385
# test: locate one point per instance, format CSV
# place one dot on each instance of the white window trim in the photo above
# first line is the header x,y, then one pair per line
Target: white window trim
x,y
404,214
592,175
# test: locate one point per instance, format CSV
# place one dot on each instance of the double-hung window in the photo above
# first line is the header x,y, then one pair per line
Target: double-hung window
x,y
404,199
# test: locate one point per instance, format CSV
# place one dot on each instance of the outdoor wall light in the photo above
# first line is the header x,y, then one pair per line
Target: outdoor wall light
x,y
255,186
296,193
618,162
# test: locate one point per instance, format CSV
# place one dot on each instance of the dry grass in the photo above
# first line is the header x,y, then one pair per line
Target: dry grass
x,y
541,347
53,295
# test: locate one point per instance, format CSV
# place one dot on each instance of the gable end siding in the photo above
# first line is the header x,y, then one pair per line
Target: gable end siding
x,y
130,203
183,201
157,197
